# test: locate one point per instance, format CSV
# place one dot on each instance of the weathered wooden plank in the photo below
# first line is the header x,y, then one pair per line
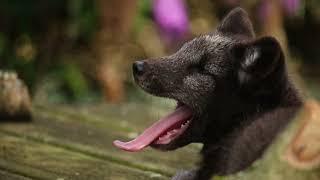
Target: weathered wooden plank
x,y
25,170
5,175
80,131
127,120
44,161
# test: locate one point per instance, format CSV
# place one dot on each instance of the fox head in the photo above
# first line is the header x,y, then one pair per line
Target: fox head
x,y
215,78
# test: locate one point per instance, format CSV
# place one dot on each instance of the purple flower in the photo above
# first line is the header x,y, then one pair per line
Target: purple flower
x,y
171,18
291,7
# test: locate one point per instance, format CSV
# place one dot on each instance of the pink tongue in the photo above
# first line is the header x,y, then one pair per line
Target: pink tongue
x,y
180,115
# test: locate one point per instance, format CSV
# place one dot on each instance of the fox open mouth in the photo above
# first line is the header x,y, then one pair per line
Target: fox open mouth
x,y
163,132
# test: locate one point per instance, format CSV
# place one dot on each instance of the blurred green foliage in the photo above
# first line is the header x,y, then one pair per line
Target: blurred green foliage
x,y
83,19
143,15
35,35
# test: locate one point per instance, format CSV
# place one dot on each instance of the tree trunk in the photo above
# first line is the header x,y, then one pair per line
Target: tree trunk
x,y
116,17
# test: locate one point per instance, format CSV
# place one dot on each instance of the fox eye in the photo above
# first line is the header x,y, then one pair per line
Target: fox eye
x,y
199,67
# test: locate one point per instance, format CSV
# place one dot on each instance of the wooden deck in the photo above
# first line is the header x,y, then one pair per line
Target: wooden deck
x,y
75,142
64,142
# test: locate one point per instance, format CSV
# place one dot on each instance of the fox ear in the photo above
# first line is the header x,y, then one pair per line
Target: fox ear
x,y
257,59
237,22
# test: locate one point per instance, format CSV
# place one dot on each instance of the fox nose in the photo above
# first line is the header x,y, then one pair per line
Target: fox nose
x,y
138,68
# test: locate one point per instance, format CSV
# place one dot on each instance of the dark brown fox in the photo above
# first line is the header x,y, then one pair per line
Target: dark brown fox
x,y
233,95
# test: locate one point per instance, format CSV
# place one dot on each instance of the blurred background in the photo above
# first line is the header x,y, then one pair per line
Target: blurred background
x,y
80,51
78,54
